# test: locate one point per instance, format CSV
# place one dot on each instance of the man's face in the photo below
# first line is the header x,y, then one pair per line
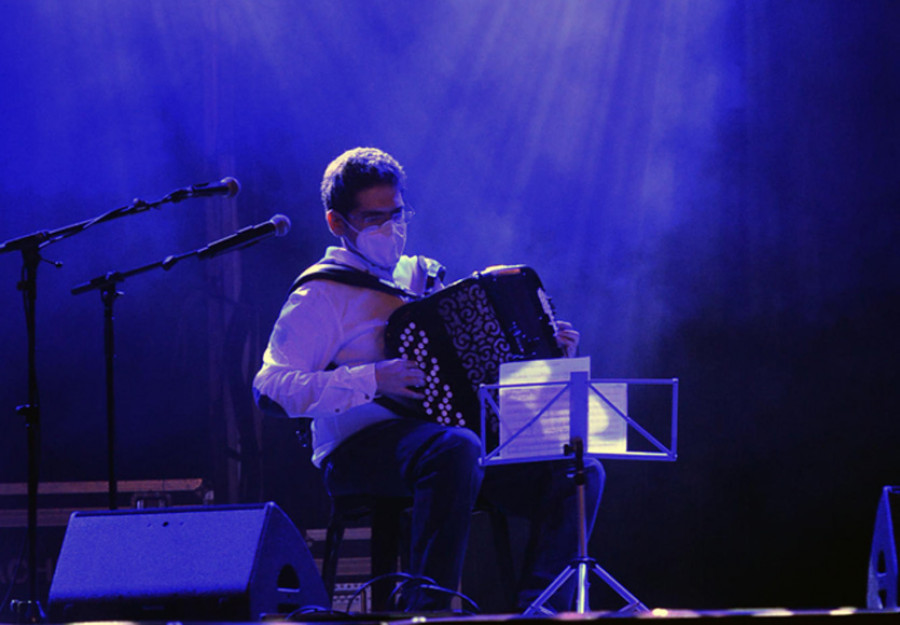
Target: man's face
x,y
374,206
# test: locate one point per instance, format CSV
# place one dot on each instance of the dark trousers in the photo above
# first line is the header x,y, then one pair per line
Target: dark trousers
x,y
438,467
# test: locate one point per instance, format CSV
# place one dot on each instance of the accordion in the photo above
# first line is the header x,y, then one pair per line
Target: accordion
x,y
462,334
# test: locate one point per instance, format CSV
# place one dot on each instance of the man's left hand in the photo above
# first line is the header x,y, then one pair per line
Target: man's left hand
x,y
567,337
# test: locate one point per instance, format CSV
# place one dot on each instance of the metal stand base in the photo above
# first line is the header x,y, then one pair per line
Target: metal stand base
x,y
582,567
28,612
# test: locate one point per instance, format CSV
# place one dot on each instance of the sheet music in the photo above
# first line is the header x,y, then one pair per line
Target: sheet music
x,y
546,436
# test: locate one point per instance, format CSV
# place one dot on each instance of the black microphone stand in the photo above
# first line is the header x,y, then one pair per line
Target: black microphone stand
x,y
108,295
106,284
30,610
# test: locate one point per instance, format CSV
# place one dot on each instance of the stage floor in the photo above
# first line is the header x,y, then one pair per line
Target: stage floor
x,y
837,616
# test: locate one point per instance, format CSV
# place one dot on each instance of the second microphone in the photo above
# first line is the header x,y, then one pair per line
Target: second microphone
x,y
279,225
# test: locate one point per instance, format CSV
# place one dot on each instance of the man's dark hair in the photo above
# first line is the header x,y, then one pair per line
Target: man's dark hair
x,y
357,170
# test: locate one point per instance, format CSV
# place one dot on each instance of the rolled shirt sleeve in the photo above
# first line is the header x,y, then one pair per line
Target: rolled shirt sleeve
x,y
297,370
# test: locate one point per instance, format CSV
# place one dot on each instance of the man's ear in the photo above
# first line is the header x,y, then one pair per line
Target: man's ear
x,y
335,224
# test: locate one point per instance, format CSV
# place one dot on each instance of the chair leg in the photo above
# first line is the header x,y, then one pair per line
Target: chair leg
x,y
500,531
385,546
333,538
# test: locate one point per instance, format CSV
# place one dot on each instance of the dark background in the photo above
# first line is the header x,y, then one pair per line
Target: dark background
x,y
708,189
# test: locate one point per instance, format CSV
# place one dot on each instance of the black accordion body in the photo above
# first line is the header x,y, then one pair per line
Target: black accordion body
x,y
462,334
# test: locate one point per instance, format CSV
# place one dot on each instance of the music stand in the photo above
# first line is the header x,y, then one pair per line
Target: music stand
x,y
579,389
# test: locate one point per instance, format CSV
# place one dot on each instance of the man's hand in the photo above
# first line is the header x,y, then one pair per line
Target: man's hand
x,y
567,337
399,377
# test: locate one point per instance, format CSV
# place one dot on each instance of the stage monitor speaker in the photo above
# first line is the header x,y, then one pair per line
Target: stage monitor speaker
x,y
882,588
201,563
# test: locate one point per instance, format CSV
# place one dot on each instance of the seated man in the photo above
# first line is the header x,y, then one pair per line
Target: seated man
x,y
325,360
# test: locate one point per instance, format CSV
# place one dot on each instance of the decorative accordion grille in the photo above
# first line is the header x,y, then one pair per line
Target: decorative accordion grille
x,y
461,335
476,334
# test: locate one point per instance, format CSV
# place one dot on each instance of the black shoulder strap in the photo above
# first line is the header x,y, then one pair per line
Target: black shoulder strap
x,y
348,275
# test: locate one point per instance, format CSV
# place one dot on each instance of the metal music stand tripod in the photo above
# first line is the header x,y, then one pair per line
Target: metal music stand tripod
x,y
583,564
578,388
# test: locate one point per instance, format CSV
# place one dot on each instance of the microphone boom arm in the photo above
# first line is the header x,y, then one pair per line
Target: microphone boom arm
x,y
279,225
37,240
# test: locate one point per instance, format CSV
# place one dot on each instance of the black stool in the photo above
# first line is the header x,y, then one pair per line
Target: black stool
x,y
390,541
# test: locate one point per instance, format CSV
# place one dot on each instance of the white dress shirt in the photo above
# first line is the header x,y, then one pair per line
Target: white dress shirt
x,y
320,360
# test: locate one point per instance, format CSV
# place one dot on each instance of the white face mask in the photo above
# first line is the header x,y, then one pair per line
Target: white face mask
x,y
380,245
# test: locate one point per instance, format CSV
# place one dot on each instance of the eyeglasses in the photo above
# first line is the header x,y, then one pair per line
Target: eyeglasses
x,y
367,219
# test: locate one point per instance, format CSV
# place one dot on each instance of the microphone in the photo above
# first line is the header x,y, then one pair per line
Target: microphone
x,y
229,187
279,226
